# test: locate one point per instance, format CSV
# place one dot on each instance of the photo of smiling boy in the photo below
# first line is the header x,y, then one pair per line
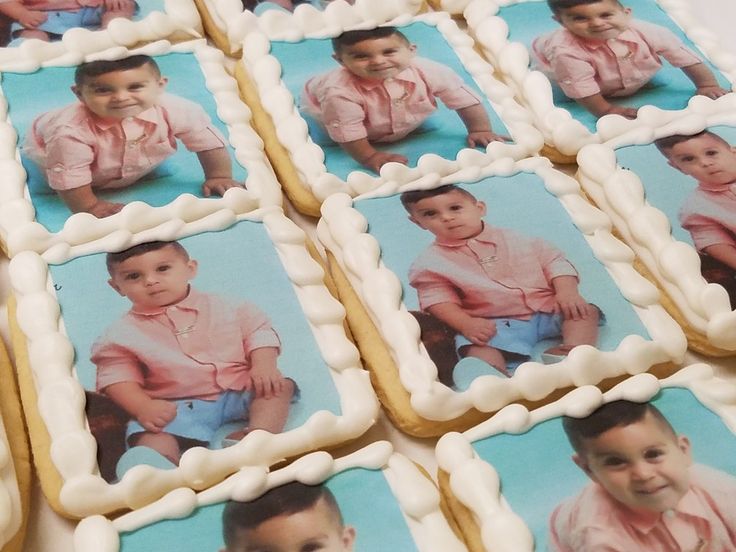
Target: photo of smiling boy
x,y
183,363
382,92
601,52
123,127
645,495
291,518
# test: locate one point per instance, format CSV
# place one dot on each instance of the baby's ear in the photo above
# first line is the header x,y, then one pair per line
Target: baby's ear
x,y
163,81
415,221
114,286
582,463
75,90
337,58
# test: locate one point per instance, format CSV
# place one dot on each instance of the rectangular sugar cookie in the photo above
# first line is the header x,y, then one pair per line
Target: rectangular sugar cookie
x,y
503,489
34,217
660,210
374,245
253,280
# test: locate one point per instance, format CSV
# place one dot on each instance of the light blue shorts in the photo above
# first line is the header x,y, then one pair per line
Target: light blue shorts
x,y
199,420
520,336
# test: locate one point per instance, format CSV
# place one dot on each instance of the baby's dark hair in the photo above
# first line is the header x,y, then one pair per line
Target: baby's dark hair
x,y
114,259
620,413
99,67
408,199
558,5
288,499
664,145
348,38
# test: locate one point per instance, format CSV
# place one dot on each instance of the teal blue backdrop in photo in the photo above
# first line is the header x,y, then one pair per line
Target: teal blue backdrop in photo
x,y
535,484
519,202
239,262
364,497
30,95
443,133
670,89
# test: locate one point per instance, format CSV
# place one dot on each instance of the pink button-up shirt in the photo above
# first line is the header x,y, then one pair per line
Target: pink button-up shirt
x,y
499,273
195,349
583,67
351,108
77,148
703,521
709,214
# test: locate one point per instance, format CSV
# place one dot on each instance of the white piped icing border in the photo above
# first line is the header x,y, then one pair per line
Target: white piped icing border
x,y
19,230
533,88
477,485
61,397
343,230
10,503
675,264
179,20
416,494
308,158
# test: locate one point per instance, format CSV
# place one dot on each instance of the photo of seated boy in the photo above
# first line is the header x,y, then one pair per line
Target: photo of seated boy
x,y
601,52
645,493
382,92
293,517
709,212
118,134
184,363
501,291
48,20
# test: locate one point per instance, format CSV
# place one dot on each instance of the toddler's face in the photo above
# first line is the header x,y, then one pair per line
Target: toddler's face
x,y
705,158
642,465
450,216
377,58
311,530
120,94
598,21
154,279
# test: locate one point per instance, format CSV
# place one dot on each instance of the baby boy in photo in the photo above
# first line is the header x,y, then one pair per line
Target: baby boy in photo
x,y
645,495
601,51
382,92
122,128
501,291
291,518
184,363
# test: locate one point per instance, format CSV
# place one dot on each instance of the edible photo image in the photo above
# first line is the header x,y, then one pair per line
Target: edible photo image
x,y
497,274
387,94
690,177
102,134
198,345
607,57
656,475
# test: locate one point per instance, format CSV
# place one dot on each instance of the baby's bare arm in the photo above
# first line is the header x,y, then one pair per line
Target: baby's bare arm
x,y
368,156
600,106
84,200
570,303
16,11
704,80
266,379
152,414
476,121
218,171
724,253
476,330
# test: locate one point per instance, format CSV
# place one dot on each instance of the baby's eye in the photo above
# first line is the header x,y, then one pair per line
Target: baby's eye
x,y
613,462
711,153
311,547
429,213
687,158
653,454
456,208
136,86
132,276
579,18
101,90
164,268
359,56
390,51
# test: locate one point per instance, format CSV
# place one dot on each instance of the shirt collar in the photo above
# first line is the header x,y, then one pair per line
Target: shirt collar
x,y
149,115
487,235
717,188
688,505
626,36
192,301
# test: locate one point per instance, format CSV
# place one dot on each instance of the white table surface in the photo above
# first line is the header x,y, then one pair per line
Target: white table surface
x,y
48,532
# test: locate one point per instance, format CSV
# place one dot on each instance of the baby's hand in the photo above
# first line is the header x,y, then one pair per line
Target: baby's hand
x,y
155,415
572,306
628,112
218,186
119,5
478,330
712,91
32,19
102,209
481,138
380,158
266,381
